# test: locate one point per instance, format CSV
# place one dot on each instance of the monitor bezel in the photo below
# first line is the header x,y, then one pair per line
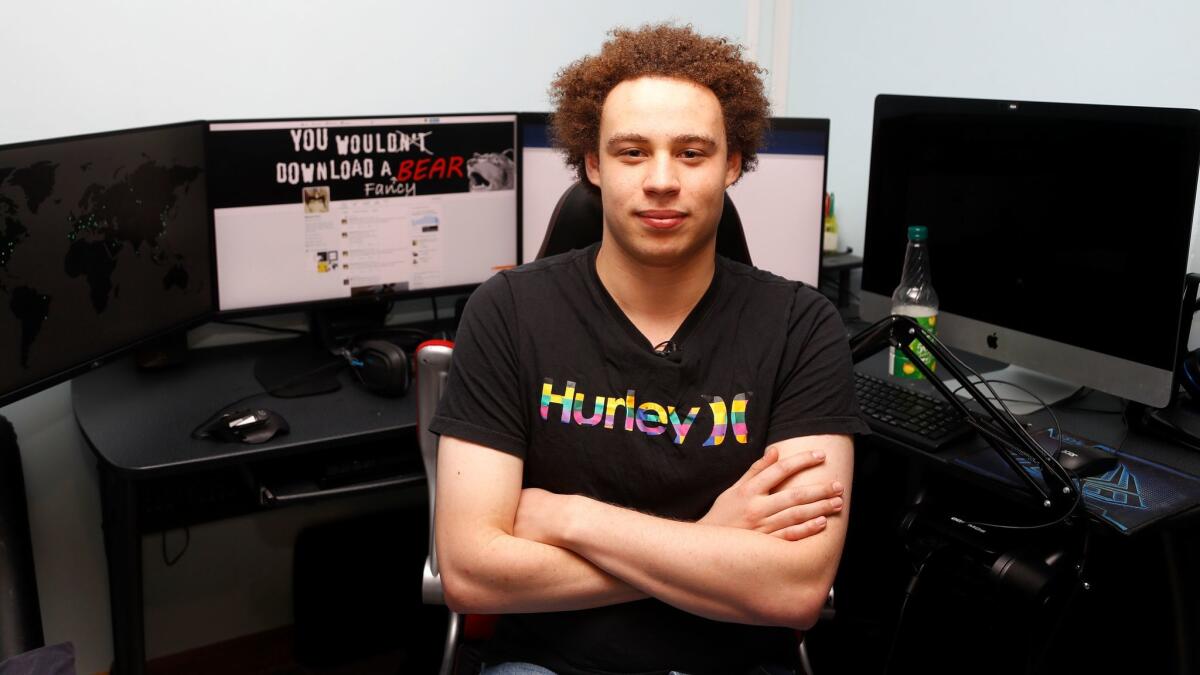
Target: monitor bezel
x,y
522,119
363,301
87,365
1132,380
820,124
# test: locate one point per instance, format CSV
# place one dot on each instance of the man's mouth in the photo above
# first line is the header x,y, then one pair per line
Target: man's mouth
x,y
661,219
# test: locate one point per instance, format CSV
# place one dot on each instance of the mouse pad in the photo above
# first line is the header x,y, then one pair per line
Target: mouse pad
x,y
1133,495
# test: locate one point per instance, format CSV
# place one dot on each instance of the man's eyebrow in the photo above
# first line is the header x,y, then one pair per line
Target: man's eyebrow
x,y
688,139
617,139
682,139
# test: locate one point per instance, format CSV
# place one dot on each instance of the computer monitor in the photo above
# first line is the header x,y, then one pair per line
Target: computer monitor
x,y
104,243
780,203
313,212
1058,233
544,178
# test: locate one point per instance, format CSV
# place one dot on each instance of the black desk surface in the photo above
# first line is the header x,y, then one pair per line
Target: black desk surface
x,y
140,422
1080,417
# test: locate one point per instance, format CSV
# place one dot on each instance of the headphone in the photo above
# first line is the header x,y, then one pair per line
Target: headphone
x,y
1189,374
381,365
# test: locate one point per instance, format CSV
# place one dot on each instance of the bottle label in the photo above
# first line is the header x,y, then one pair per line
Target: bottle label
x,y
898,363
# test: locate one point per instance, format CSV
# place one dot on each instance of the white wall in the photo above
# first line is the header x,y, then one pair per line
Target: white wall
x,y
84,67
1081,51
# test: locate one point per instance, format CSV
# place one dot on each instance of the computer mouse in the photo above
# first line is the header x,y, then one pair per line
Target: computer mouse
x,y
1085,460
250,425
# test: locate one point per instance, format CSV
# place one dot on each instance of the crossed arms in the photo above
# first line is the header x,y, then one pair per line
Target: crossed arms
x,y
765,553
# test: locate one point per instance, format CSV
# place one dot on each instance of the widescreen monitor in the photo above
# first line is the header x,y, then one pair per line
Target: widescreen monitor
x,y
780,203
1058,233
312,212
104,243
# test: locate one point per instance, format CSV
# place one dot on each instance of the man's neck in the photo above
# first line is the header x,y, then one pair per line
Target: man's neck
x,y
655,299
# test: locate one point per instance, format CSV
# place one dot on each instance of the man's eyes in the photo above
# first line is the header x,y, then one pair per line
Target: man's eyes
x,y
637,153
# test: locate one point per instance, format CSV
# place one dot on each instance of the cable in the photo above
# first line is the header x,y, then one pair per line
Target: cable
x,y
1020,429
187,541
1037,399
258,326
909,591
1078,488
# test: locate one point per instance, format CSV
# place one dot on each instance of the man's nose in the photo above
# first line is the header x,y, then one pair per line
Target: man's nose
x,y
662,176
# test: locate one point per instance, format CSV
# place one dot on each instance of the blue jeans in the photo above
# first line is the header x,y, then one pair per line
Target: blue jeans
x,y
515,669
531,669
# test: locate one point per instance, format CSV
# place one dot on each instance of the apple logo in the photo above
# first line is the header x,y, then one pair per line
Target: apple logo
x,y
993,341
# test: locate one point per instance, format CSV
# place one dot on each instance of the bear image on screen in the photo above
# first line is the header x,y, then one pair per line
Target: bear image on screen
x,y
104,242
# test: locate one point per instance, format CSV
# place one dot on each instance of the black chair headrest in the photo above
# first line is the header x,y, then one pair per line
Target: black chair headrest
x,y
578,222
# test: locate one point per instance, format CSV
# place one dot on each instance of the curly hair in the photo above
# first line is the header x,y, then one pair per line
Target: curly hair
x,y
662,50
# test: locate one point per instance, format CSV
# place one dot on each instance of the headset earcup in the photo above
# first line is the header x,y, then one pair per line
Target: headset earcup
x,y
1190,376
385,367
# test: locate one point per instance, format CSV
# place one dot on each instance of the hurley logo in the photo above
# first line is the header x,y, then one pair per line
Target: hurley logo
x,y
648,417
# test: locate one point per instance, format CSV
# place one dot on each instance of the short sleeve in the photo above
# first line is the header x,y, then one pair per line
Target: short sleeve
x,y
814,391
481,403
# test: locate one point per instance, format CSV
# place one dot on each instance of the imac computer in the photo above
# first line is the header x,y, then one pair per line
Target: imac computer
x,y
1058,234
309,213
780,203
104,244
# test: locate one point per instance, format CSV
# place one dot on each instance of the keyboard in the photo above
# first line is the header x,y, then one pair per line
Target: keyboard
x,y
920,420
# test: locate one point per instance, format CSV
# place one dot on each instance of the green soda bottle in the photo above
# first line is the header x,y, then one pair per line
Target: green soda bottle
x,y
915,298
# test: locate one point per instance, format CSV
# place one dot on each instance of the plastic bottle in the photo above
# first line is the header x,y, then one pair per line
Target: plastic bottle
x,y
915,298
831,226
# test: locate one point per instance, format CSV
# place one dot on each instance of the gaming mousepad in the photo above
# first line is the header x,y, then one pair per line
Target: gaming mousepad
x,y
1133,495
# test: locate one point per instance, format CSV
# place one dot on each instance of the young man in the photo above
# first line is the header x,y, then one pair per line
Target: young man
x,y
629,511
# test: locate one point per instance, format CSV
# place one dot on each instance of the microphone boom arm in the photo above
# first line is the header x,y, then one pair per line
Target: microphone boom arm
x,y
1003,432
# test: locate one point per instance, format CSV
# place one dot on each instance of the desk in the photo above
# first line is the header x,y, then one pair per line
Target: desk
x,y
1140,616
138,423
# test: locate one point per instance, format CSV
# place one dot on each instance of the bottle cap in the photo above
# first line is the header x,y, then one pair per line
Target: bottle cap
x,y
917,233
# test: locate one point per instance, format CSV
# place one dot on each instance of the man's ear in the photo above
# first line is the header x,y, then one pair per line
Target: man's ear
x,y
733,168
591,162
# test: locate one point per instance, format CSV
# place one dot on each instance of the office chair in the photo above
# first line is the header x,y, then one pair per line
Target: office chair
x,y
433,369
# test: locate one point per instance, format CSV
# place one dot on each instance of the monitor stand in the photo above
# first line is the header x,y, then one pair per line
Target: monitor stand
x,y
1049,389
309,365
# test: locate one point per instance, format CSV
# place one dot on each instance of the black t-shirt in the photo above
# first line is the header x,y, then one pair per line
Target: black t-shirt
x,y
549,369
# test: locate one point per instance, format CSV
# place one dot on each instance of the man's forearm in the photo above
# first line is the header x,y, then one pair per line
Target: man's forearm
x,y
509,575
721,573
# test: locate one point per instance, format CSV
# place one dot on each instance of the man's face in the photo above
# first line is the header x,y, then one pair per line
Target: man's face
x,y
662,167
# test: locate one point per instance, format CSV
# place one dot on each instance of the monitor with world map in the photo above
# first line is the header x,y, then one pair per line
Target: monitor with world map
x,y
105,242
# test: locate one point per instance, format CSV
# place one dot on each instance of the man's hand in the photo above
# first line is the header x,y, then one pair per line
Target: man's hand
x,y
792,513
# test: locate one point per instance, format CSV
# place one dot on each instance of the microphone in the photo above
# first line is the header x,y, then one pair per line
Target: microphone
x,y
666,348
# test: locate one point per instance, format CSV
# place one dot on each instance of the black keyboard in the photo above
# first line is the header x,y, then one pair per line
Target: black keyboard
x,y
897,412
